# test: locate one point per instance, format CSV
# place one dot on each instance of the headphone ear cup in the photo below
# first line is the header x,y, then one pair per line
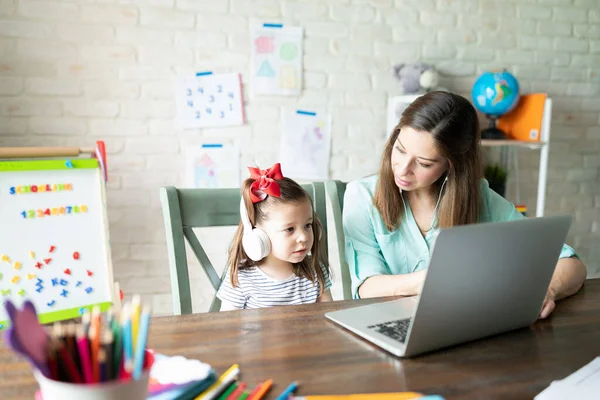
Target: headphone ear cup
x,y
256,244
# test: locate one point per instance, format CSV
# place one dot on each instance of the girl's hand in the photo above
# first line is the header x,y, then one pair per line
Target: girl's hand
x,y
326,296
548,305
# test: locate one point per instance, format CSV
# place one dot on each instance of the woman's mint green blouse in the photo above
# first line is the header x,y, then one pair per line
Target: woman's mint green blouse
x,y
372,250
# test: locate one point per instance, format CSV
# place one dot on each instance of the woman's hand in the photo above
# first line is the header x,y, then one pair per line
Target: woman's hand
x,y
413,285
393,285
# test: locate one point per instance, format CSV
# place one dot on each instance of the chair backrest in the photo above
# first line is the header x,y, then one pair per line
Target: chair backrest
x,y
185,209
335,192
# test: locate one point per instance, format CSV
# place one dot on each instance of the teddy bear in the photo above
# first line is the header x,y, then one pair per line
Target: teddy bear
x,y
417,77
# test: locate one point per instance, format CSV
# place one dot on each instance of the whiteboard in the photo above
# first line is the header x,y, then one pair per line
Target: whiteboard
x,y
54,248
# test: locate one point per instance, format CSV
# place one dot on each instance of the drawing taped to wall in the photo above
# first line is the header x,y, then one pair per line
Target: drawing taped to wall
x,y
305,145
209,100
212,165
277,59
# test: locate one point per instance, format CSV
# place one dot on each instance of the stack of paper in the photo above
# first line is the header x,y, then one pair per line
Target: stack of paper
x,y
580,385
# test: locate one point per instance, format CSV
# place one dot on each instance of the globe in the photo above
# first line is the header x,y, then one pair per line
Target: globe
x,y
495,93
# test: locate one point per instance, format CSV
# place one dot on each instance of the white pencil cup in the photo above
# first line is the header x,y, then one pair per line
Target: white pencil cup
x,y
130,389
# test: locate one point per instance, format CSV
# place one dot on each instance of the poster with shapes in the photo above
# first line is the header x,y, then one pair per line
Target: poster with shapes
x,y
305,145
212,165
54,245
209,100
277,60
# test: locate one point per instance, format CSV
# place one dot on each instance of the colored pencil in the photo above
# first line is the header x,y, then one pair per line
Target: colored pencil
x,y
69,332
244,396
127,340
227,392
106,344
95,341
219,386
288,391
255,390
237,392
52,362
102,365
84,354
65,359
85,321
135,319
365,396
141,343
118,348
262,390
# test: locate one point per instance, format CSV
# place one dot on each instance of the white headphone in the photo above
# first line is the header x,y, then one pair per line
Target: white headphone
x,y
255,241
436,205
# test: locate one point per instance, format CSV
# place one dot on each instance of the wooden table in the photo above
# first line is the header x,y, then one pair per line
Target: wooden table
x,y
298,343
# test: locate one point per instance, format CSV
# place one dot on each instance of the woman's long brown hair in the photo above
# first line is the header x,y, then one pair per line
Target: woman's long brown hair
x,y
291,193
452,122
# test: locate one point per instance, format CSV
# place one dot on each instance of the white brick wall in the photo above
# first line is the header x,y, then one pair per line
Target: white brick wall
x,y
75,71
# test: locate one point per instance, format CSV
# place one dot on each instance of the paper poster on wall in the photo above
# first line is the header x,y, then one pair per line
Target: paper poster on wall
x,y
54,247
305,144
277,59
212,165
396,106
209,100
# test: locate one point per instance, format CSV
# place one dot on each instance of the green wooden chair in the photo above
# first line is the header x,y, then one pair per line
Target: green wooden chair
x,y
185,209
335,193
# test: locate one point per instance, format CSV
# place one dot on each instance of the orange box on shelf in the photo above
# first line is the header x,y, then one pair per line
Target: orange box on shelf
x,y
524,122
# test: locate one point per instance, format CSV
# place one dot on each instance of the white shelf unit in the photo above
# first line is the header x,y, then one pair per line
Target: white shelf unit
x,y
397,104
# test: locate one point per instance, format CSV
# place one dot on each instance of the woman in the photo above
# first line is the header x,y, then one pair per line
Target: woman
x,y
430,178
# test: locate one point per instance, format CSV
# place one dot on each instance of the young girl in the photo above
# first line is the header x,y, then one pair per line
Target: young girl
x,y
274,258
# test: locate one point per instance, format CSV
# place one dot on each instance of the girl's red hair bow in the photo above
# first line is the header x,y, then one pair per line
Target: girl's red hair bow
x,y
264,182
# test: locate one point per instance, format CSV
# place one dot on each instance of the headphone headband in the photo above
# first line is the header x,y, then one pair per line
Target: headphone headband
x,y
244,216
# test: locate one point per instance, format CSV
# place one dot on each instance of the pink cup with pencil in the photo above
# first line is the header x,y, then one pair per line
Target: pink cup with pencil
x,y
88,360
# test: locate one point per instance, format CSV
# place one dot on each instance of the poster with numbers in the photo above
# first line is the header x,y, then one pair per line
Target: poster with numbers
x,y
209,100
277,60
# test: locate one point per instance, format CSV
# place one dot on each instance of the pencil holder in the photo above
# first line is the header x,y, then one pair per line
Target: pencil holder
x,y
118,389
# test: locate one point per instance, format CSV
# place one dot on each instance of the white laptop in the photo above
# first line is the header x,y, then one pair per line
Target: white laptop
x,y
483,279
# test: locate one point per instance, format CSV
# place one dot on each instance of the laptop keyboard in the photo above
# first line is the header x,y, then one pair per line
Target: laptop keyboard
x,y
393,329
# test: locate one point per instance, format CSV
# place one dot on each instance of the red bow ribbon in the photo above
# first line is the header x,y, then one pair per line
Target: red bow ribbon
x,y
264,182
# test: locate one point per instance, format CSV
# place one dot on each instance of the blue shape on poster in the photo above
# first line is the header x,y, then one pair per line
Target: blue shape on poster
x,y
266,70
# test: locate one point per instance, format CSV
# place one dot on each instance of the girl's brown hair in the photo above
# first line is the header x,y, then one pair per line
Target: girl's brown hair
x,y
452,122
291,193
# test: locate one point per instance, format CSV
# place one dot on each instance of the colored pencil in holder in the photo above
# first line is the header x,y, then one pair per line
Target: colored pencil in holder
x,y
70,342
86,321
140,343
135,319
71,374
117,348
52,361
84,353
95,341
106,344
102,365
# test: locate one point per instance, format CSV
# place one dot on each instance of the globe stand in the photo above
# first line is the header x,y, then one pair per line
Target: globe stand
x,y
492,132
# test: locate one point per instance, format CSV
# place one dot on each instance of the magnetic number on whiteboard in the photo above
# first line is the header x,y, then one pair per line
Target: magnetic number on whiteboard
x,y
55,211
